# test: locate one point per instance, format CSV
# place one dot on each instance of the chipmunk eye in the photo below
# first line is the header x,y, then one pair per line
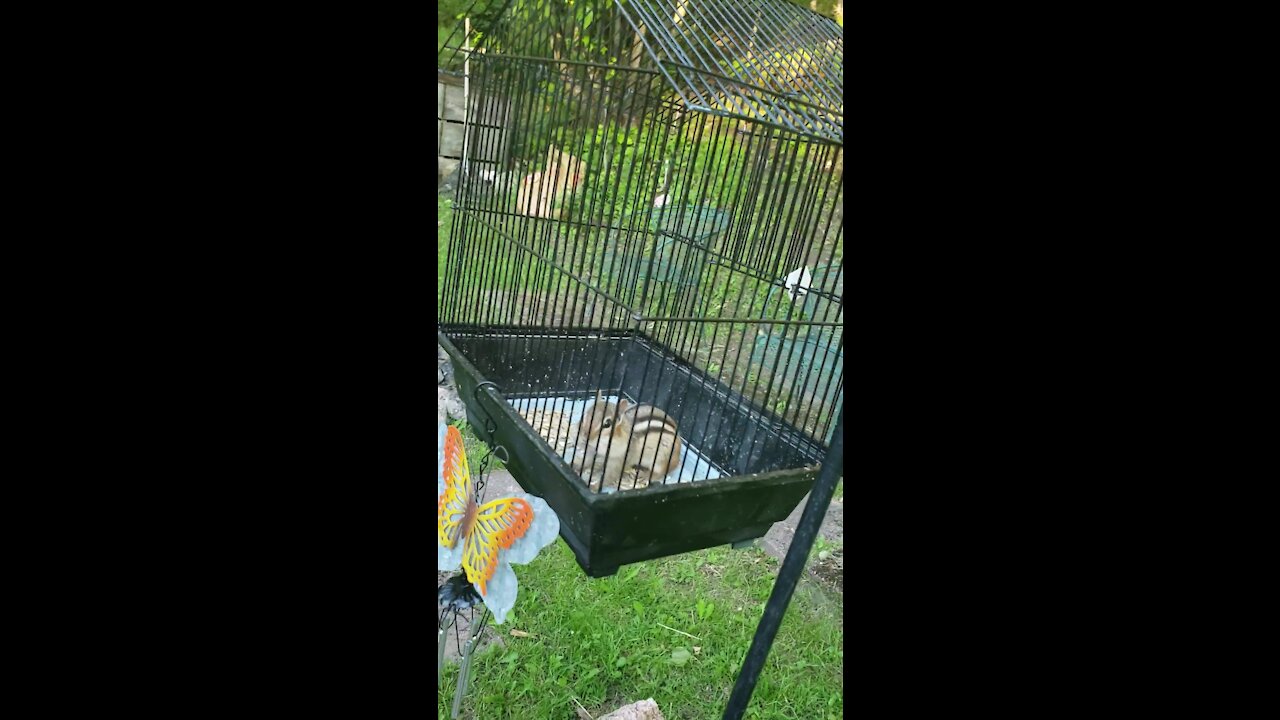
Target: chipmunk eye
x,y
608,422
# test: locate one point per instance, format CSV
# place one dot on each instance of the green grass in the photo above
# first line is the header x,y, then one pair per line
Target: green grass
x,y
475,447
603,644
444,216
504,274
442,36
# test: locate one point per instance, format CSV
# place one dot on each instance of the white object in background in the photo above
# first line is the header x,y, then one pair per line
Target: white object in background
x,y
663,198
798,282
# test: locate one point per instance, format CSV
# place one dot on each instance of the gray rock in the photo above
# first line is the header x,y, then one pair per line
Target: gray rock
x,y
643,710
444,368
448,404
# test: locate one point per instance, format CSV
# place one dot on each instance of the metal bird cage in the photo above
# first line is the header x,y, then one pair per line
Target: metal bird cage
x,y
795,354
639,182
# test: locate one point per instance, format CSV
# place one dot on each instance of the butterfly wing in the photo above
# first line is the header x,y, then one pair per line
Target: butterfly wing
x,y
542,532
498,525
456,491
507,530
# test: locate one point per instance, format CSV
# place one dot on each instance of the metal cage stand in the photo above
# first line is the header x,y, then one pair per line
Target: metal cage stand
x,y
789,576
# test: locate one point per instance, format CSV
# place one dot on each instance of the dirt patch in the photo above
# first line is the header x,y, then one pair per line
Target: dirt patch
x,y
828,569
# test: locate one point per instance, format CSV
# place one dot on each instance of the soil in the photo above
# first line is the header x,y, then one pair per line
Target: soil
x,y
828,566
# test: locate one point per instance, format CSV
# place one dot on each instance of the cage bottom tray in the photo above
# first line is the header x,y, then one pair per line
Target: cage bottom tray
x,y
763,466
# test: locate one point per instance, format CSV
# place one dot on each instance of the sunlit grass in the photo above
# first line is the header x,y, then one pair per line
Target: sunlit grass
x,y
603,642
475,448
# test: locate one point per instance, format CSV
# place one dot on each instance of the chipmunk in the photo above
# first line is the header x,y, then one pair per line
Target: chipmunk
x,y
536,191
626,446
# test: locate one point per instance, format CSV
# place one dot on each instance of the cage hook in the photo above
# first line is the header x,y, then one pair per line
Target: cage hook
x,y
490,427
505,457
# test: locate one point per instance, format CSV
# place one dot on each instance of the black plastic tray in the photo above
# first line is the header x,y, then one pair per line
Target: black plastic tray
x,y
772,465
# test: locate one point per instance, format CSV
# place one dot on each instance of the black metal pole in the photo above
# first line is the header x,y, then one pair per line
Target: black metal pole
x,y
789,575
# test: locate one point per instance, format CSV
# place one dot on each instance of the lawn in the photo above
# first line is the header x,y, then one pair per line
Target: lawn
x,y
444,227
607,642
602,643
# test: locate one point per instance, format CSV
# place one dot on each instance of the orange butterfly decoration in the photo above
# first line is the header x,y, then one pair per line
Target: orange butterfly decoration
x,y
484,539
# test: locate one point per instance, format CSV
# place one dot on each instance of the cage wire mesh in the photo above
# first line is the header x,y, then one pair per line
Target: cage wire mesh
x,y
649,207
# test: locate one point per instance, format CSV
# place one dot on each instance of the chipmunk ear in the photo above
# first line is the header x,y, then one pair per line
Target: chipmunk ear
x,y
598,398
623,406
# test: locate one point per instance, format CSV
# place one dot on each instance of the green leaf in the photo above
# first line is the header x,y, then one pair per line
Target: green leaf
x,y
622,662
680,656
638,608
705,609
